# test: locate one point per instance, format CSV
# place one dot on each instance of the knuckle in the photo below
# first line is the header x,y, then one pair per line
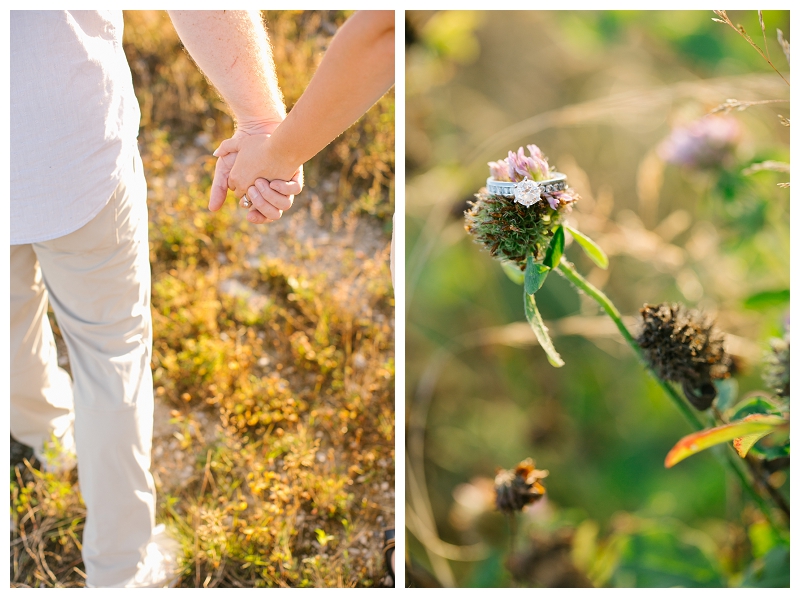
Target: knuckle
x,y
270,211
279,201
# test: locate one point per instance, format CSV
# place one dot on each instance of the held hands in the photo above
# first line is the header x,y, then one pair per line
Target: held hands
x,y
271,189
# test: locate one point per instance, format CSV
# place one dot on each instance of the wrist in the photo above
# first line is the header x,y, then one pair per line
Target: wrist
x,y
280,163
285,153
255,126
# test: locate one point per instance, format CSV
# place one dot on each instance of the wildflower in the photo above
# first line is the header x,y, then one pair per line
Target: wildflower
x,y
561,200
703,143
519,487
534,167
509,230
499,170
540,162
512,231
518,166
682,347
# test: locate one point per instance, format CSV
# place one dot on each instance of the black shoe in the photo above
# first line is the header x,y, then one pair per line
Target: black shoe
x,y
388,551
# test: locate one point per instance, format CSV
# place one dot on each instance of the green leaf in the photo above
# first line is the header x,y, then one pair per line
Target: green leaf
x,y
766,299
511,269
535,275
592,249
727,393
699,441
745,443
540,330
758,404
762,538
492,572
660,556
771,571
772,448
556,249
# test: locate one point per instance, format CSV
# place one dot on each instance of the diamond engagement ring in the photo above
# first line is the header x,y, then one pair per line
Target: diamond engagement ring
x,y
246,203
527,192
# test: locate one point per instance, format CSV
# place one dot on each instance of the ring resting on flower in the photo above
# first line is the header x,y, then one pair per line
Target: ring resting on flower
x,y
527,192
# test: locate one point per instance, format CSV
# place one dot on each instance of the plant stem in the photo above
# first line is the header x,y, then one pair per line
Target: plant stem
x,y
569,272
512,528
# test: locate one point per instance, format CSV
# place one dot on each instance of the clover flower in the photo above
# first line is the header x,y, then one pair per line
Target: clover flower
x,y
561,200
517,488
703,143
518,166
499,170
534,167
683,347
511,231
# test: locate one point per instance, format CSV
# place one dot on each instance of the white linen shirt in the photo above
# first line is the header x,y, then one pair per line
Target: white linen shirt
x,y
74,119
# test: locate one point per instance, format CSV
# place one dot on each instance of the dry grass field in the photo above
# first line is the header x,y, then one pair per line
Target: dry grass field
x,y
274,346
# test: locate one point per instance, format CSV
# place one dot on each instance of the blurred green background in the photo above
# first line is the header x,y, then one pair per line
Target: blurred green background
x,y
598,92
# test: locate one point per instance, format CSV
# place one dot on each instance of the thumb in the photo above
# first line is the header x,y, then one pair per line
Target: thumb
x,y
219,186
228,146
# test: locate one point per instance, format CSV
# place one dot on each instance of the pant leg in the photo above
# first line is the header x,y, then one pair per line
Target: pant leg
x,y
41,392
99,283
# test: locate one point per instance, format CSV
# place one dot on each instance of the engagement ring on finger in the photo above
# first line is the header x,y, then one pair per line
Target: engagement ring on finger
x,y
246,202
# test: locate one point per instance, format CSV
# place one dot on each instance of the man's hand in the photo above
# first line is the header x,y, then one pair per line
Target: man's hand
x,y
241,168
256,158
269,199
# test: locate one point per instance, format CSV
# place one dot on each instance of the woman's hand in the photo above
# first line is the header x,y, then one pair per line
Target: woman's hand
x,y
270,199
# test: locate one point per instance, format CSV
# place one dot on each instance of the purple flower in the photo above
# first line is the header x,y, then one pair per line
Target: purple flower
x,y
522,165
516,169
542,167
499,170
703,143
561,199
518,166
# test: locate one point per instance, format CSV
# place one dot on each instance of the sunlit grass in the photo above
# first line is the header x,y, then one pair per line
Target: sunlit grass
x,y
273,349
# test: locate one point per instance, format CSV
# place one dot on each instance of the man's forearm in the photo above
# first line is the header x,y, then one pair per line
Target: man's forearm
x,y
232,49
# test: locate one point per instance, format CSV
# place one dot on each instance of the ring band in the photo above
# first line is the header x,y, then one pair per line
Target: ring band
x,y
526,190
246,203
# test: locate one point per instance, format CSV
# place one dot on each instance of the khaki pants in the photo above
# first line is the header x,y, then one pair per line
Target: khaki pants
x,y
98,281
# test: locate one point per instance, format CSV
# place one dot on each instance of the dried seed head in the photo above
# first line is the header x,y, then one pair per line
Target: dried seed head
x,y
776,366
683,347
519,487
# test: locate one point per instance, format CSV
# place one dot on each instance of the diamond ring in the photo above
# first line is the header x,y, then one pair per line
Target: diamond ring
x,y
527,192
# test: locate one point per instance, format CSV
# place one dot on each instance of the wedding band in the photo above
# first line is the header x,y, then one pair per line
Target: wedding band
x,y
507,189
246,203
527,192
